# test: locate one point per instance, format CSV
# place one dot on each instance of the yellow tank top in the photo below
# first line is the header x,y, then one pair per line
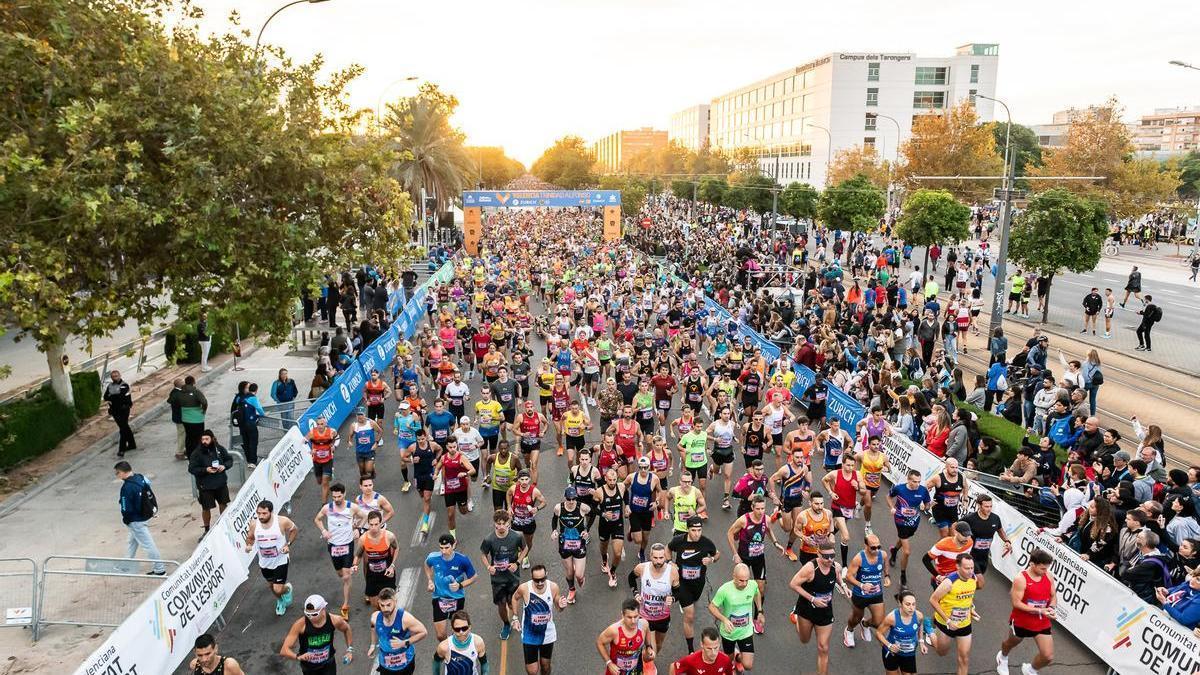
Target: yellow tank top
x,y
573,424
872,469
958,602
502,474
684,505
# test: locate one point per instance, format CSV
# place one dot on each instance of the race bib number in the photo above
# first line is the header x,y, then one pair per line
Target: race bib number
x,y
627,664
951,500
320,655
339,550
268,552
447,605
824,597
640,502
959,614
378,566
698,457
453,484
872,479
983,545
395,660
756,549
570,544
664,403
740,620
846,512
690,573
540,618
908,512
612,515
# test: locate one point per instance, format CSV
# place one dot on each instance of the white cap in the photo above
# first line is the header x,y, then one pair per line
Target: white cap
x,y
405,405
314,603
464,420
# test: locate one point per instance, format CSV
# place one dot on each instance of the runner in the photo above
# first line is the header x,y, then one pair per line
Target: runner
x,y
906,502
874,464
623,645
530,425
752,484
490,416
756,439
1034,606
393,634
463,653
815,583
984,526
641,489
737,606
660,464
560,397
901,634
340,522
693,453
368,437
524,501
575,426
686,501
612,508
787,488
533,606
568,526
722,430
694,552
627,434
846,490
375,392
501,468
378,548
866,576
455,472
313,634
948,489
709,660
953,604
271,537
505,390
942,558
586,479
747,539
502,553
405,426
777,416
206,660
322,439
448,573
424,457
457,392
813,527
833,442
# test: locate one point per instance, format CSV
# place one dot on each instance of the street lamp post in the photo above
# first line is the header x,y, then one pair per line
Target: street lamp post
x,y
1181,64
383,93
1010,157
828,148
258,39
897,158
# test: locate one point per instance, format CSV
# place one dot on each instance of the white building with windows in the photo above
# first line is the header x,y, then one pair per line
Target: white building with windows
x,y
689,127
798,119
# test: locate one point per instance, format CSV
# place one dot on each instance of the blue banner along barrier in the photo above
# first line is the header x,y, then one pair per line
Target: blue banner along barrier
x,y
381,353
336,404
844,407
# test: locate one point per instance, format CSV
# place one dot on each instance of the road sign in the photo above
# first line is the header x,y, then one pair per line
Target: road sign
x,y
998,193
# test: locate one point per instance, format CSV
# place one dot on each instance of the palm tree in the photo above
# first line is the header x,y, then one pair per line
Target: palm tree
x,y
430,152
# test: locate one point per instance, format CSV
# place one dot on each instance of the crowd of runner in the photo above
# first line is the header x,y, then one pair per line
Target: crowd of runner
x,y
533,346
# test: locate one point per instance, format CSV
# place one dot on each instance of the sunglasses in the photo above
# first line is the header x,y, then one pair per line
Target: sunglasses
x,y
461,629
828,557
539,582
312,614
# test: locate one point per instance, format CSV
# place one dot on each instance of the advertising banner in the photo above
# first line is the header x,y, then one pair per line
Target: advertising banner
x,y
512,199
381,353
159,634
1128,634
839,404
769,349
336,404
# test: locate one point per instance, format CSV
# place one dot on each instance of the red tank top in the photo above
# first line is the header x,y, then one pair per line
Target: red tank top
x,y
845,491
522,505
627,435
1037,594
626,650
375,392
608,458
322,444
454,474
530,425
659,462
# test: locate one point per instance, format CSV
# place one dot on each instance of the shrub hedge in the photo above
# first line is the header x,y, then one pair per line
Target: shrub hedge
x,y
87,393
181,346
34,425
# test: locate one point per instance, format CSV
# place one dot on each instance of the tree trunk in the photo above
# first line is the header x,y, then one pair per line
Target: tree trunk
x,y
1046,307
60,376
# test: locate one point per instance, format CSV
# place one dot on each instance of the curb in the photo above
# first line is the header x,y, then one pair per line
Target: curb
x,y
14,501
1055,330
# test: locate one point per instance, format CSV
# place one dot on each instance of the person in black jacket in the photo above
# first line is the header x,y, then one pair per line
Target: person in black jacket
x,y
135,517
208,463
1148,570
1151,314
120,405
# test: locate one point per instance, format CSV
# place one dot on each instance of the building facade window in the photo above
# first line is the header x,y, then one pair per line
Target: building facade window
x,y
975,74
872,96
870,122
971,95
872,72
929,100
869,143
931,75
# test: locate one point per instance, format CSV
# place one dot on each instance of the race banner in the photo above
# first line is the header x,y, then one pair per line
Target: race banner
x,y
1130,635
838,405
336,404
159,634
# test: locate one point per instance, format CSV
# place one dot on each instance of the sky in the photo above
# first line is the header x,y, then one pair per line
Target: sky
x,y
528,72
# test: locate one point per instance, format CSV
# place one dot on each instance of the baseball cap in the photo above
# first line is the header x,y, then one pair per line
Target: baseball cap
x,y
1121,455
360,410
643,461
962,528
695,521
315,603
464,420
570,492
405,405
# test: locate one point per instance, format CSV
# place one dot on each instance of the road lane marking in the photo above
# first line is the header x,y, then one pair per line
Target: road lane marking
x,y
407,587
416,535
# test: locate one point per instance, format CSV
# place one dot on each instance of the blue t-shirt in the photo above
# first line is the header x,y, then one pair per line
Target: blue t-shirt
x,y
908,503
457,568
440,426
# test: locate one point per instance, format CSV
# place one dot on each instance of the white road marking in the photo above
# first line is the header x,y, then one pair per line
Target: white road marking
x,y
416,535
407,586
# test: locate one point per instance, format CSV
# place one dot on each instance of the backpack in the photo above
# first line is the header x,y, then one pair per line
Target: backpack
x,y
1097,378
235,410
1156,315
149,502
1060,431
1002,383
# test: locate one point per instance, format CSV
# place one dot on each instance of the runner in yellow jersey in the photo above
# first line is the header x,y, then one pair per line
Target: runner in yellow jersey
x,y
502,467
575,426
873,465
953,610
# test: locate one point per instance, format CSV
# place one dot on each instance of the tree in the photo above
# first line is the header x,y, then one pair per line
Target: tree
x,y
933,217
799,200
712,190
708,161
430,150
669,159
856,160
682,189
854,205
493,168
633,191
1059,230
1024,141
568,164
1141,186
952,144
750,191
1189,176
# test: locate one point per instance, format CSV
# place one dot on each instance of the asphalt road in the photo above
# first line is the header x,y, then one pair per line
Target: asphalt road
x,y
254,634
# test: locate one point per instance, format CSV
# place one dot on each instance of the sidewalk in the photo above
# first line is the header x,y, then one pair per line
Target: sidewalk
x,y
78,503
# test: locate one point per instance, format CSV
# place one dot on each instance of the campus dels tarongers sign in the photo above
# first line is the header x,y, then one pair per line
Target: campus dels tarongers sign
x,y
1128,634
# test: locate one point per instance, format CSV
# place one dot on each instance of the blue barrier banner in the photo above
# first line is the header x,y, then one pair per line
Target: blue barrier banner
x,y
844,407
769,349
381,353
530,198
336,404
804,379
395,302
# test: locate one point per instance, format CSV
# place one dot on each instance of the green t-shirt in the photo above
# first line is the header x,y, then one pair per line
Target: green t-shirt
x,y
695,448
1018,283
739,607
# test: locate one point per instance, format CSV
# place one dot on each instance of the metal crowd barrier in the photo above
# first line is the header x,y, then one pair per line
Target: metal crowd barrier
x,y
114,587
18,593
1032,508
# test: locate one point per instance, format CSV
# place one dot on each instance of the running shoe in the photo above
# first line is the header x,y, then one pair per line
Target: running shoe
x,y
505,631
848,638
868,530
287,596
345,611
792,617
425,526
866,631
525,564
571,596
892,556
791,554
612,580
1001,663
1027,669
279,607
725,503
604,567
406,487
560,451
471,505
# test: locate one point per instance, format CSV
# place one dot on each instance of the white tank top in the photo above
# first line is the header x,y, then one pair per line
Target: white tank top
x,y
539,612
340,525
654,593
269,542
463,660
775,419
723,434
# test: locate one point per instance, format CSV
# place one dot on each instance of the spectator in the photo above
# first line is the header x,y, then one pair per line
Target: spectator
x,y
1143,485
1047,461
1177,484
989,460
1182,601
284,392
249,411
978,395
938,433
204,339
1149,436
1098,535
1127,546
1187,560
1182,524
1090,439
177,417
120,406
997,383
998,346
1148,570
1154,468
1043,400
208,463
1093,378
1072,512
1108,448
136,514
320,382
1119,471
1023,468
192,409
958,441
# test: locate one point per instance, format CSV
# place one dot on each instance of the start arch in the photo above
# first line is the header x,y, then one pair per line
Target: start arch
x,y
475,201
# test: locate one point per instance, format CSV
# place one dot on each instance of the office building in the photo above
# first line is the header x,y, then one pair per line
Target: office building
x,y
798,119
1054,134
689,127
1168,131
614,150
